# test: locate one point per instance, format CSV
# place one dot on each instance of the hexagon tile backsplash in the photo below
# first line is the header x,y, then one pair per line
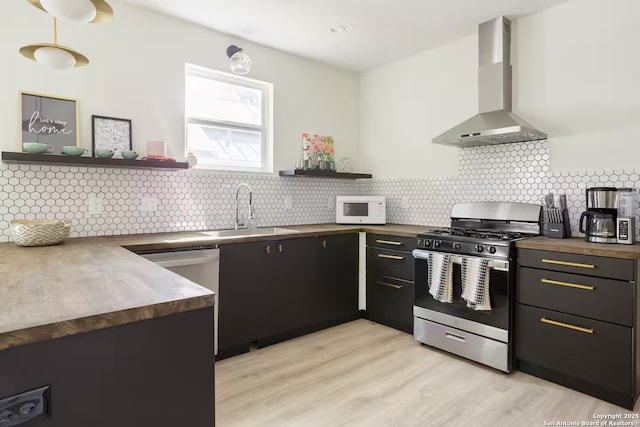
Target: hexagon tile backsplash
x,y
187,200
191,200
509,172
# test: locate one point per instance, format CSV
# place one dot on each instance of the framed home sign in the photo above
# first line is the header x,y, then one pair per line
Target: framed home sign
x,y
49,120
111,133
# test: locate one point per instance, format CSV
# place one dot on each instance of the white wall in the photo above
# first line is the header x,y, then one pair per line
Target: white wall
x,y
404,104
575,71
137,72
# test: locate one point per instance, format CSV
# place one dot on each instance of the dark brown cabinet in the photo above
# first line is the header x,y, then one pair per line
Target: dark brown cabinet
x,y
575,322
390,280
286,289
147,373
274,290
336,278
245,279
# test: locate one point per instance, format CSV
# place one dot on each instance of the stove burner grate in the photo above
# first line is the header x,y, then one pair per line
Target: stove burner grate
x,y
478,233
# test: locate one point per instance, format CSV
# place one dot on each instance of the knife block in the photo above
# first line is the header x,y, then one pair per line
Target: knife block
x,y
560,230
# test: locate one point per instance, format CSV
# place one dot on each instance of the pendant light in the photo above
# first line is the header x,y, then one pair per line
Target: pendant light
x,y
54,55
239,61
77,11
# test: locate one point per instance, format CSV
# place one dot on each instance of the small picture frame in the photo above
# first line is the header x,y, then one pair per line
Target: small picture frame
x,y
110,133
48,119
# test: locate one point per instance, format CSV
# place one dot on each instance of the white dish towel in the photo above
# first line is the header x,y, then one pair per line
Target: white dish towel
x,y
439,277
475,283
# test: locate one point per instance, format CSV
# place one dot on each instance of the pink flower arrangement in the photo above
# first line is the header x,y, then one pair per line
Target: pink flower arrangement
x,y
320,146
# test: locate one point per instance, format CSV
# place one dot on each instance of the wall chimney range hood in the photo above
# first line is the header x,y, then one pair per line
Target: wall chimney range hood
x,y
495,124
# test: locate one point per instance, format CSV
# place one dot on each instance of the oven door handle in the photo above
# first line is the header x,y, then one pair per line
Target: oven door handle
x,y
457,259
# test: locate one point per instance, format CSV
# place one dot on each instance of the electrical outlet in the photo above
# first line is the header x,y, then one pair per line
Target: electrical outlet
x,y
149,204
288,202
95,206
404,203
24,407
331,202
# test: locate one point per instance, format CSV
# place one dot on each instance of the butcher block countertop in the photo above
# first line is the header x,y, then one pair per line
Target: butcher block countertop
x,y
577,245
86,284
151,242
81,285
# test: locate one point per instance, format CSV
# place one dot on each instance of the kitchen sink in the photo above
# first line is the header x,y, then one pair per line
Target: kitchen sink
x,y
249,232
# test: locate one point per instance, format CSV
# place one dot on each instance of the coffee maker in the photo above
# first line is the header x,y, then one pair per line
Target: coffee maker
x,y
601,215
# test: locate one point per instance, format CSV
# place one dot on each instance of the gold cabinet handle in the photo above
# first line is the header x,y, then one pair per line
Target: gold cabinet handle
x,y
324,243
568,264
390,256
280,247
569,285
566,325
267,249
389,285
389,242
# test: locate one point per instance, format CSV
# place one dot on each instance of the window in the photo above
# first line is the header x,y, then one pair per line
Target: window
x,y
228,121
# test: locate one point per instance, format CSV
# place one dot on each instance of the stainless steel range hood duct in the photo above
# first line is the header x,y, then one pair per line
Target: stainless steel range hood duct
x,y
495,124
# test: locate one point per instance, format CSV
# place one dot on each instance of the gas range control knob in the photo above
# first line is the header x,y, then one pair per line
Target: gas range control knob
x,y
456,246
427,243
492,249
479,248
436,243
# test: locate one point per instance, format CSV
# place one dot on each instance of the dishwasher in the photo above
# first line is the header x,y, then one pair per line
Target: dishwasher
x,y
201,266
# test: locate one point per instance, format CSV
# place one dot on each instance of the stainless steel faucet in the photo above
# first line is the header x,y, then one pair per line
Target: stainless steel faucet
x,y
237,223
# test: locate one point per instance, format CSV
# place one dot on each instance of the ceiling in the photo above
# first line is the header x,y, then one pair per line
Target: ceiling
x,y
377,31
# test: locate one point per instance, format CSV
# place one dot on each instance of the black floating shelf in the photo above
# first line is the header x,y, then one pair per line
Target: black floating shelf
x,y
61,159
325,174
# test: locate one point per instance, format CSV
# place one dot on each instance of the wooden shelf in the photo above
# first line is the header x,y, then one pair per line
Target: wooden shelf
x,y
61,159
324,174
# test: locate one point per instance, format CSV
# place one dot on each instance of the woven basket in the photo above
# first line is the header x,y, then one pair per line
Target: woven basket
x,y
39,233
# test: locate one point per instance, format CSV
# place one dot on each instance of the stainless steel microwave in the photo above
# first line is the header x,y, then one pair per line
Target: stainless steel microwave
x,y
361,210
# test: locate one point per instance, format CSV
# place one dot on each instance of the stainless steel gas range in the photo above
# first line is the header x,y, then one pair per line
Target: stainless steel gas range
x,y
471,306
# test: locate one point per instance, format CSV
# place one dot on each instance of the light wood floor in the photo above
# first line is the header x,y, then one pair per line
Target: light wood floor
x,y
365,374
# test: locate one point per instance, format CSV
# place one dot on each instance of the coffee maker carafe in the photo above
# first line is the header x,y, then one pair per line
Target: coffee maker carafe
x,y
602,208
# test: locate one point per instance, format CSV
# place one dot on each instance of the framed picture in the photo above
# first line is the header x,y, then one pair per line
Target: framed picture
x,y
110,133
49,120
318,147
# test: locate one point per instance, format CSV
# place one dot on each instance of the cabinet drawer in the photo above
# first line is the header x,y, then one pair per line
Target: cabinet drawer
x,y
386,262
593,297
597,352
390,301
391,242
611,268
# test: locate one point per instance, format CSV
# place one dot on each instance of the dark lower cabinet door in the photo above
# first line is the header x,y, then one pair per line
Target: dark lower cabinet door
x,y
275,290
588,350
390,302
246,278
315,286
336,293
287,299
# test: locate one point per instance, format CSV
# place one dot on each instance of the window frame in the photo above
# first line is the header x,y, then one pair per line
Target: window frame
x,y
266,129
